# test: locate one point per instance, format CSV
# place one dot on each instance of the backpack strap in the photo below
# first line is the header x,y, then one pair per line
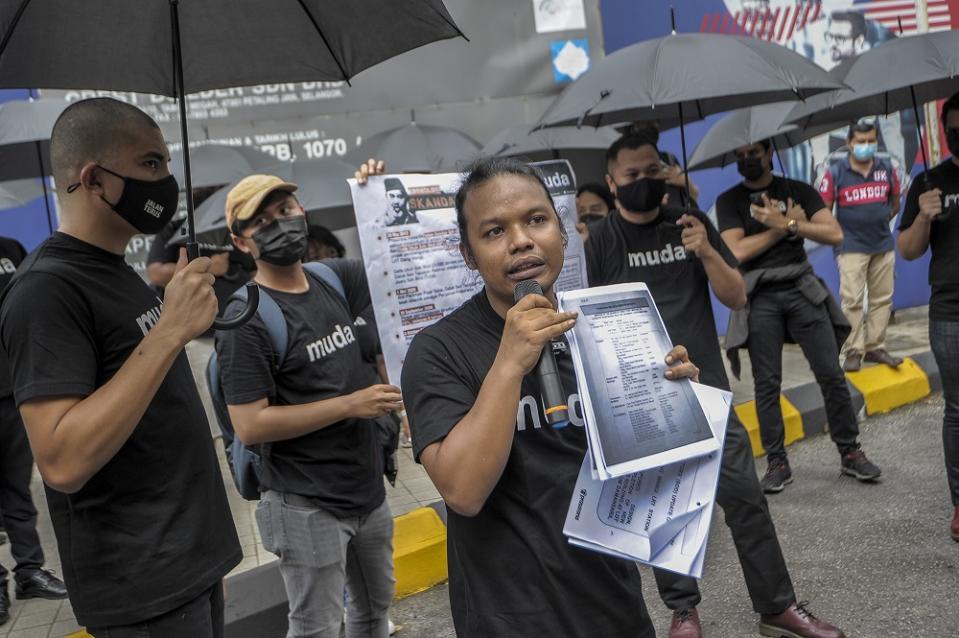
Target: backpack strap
x,y
325,273
272,317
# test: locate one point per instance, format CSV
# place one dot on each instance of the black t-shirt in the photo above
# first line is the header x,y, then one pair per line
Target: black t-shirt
x,y
732,211
152,528
512,572
621,252
943,240
339,465
11,254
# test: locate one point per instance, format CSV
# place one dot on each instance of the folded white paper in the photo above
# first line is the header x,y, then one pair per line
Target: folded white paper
x,y
660,516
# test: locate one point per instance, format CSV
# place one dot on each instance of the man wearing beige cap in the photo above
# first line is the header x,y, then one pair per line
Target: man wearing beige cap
x,y
323,509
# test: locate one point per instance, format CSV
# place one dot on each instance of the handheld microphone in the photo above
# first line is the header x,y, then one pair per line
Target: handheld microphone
x,y
551,388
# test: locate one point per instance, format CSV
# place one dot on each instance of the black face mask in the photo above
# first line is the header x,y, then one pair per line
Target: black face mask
x,y
642,195
952,141
751,168
283,241
147,206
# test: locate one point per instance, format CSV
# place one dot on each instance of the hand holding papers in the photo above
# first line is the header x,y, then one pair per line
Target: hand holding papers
x,y
636,419
660,516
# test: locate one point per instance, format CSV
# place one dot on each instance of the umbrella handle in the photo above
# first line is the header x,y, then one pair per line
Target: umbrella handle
x,y
252,303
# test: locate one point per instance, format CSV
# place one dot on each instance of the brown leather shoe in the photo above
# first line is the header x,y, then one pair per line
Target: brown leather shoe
x,y
879,355
853,361
797,622
685,624
954,528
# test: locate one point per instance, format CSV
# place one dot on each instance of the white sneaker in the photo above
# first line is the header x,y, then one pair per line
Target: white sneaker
x,y
392,627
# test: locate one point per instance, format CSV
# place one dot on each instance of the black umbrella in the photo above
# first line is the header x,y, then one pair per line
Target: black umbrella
x,y
748,126
217,164
684,77
896,75
323,192
161,47
419,148
25,127
521,140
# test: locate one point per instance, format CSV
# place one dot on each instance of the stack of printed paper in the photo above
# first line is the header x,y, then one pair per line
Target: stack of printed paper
x,y
660,516
636,419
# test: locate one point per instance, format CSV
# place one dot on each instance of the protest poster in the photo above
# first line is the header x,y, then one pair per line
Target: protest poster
x,y
410,244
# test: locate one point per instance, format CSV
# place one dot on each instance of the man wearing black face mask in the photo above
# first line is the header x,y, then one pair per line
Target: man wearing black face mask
x,y
324,511
106,393
930,220
764,220
679,255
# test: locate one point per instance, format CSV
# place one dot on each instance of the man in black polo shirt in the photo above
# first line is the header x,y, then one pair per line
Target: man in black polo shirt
x,y
931,220
17,512
679,255
314,419
764,221
106,393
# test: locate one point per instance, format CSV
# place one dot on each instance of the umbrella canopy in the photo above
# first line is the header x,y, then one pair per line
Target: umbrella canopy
x,y
128,46
419,148
686,76
883,80
25,127
748,126
216,164
323,192
520,140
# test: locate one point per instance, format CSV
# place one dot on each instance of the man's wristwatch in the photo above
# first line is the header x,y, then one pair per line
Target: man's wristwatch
x,y
792,227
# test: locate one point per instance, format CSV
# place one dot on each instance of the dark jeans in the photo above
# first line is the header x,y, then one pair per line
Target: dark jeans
x,y
754,535
771,314
944,339
16,506
202,617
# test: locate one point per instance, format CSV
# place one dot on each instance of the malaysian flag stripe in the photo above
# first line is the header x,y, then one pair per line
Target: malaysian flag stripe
x,y
782,25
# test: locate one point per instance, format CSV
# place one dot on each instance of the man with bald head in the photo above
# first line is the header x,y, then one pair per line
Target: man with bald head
x,y
106,393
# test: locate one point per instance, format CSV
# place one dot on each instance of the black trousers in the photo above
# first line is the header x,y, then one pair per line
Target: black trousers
x,y
201,617
771,314
16,505
747,516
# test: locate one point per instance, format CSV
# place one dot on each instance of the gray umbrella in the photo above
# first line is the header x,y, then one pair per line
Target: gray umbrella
x,y
216,164
896,75
748,126
25,127
686,76
323,192
146,47
521,140
419,148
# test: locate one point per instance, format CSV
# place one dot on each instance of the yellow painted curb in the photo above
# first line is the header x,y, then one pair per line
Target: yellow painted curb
x,y
791,417
419,551
79,634
885,388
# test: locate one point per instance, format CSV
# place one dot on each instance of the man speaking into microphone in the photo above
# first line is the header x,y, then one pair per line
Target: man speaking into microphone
x,y
479,428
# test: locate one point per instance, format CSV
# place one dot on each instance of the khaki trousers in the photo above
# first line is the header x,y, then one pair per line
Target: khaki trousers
x,y
857,273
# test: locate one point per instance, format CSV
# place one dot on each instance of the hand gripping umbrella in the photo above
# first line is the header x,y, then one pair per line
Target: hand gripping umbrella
x,y
684,77
175,47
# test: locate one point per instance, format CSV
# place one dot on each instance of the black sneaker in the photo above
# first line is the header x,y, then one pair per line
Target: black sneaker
x,y
855,463
778,476
3,538
40,584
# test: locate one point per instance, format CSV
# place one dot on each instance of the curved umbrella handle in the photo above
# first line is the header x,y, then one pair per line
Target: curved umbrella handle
x,y
252,302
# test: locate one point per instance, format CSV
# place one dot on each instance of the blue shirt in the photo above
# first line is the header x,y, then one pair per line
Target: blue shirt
x,y
863,204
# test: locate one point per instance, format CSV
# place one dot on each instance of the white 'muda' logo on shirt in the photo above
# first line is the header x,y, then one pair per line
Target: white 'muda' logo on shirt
x,y
148,319
152,208
341,337
951,200
667,255
529,415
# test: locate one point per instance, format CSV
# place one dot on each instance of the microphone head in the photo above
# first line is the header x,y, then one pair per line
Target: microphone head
x,y
526,287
